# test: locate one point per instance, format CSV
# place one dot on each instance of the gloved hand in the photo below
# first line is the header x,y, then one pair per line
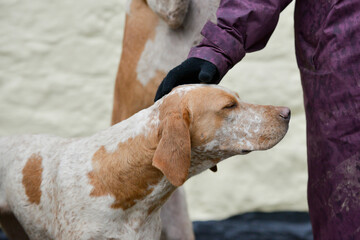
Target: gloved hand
x,y
192,70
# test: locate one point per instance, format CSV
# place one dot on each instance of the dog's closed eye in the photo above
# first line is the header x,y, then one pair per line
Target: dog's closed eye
x,y
230,105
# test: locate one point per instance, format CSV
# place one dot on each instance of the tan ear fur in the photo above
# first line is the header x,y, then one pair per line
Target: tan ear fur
x,y
173,153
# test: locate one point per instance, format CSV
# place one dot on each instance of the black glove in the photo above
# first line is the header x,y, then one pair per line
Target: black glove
x,y
192,70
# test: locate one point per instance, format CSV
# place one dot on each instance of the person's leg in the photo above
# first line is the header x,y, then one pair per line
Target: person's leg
x,y
333,141
328,52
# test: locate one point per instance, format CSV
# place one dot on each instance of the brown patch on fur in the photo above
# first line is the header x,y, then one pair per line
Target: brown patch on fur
x,y
126,173
130,95
32,177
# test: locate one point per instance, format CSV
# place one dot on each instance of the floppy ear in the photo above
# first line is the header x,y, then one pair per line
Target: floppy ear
x,y
173,153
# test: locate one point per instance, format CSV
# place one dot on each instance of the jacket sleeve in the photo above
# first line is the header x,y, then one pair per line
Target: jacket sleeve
x,y
242,26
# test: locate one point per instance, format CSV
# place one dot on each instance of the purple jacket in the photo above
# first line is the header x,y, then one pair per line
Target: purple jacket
x,y
242,26
327,40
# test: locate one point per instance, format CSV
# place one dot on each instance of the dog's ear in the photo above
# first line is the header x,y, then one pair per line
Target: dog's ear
x,y
173,153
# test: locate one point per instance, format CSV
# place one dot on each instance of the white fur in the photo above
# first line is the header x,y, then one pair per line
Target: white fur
x,y
172,11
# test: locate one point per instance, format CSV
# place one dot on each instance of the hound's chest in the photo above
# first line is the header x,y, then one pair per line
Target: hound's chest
x,y
125,227
131,227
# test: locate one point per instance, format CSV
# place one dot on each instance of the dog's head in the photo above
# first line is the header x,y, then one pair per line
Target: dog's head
x,y
201,125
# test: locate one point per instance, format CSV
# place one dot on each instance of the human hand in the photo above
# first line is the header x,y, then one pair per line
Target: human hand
x,y
192,70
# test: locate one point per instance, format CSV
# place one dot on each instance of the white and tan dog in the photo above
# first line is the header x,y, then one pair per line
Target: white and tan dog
x,y
111,185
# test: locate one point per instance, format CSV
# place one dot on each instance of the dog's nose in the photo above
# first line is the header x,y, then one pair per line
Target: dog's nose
x,y
285,113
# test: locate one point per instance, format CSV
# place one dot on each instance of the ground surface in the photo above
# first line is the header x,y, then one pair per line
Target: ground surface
x,y
253,226
257,226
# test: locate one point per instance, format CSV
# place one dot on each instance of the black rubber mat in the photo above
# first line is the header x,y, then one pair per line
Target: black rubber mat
x,y
253,226
257,226
2,236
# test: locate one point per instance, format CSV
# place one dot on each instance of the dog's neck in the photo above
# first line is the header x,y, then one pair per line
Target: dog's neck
x,y
124,169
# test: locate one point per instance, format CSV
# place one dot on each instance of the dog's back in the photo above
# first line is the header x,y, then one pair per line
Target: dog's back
x,y
44,184
15,153
10,152
21,168
33,185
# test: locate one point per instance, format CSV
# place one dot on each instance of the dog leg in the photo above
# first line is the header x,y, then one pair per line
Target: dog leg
x,y
173,12
11,226
175,218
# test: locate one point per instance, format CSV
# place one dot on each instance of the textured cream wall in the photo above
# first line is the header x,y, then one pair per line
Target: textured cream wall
x,y
58,61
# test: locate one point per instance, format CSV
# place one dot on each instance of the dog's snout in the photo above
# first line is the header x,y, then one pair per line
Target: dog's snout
x,y
285,113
